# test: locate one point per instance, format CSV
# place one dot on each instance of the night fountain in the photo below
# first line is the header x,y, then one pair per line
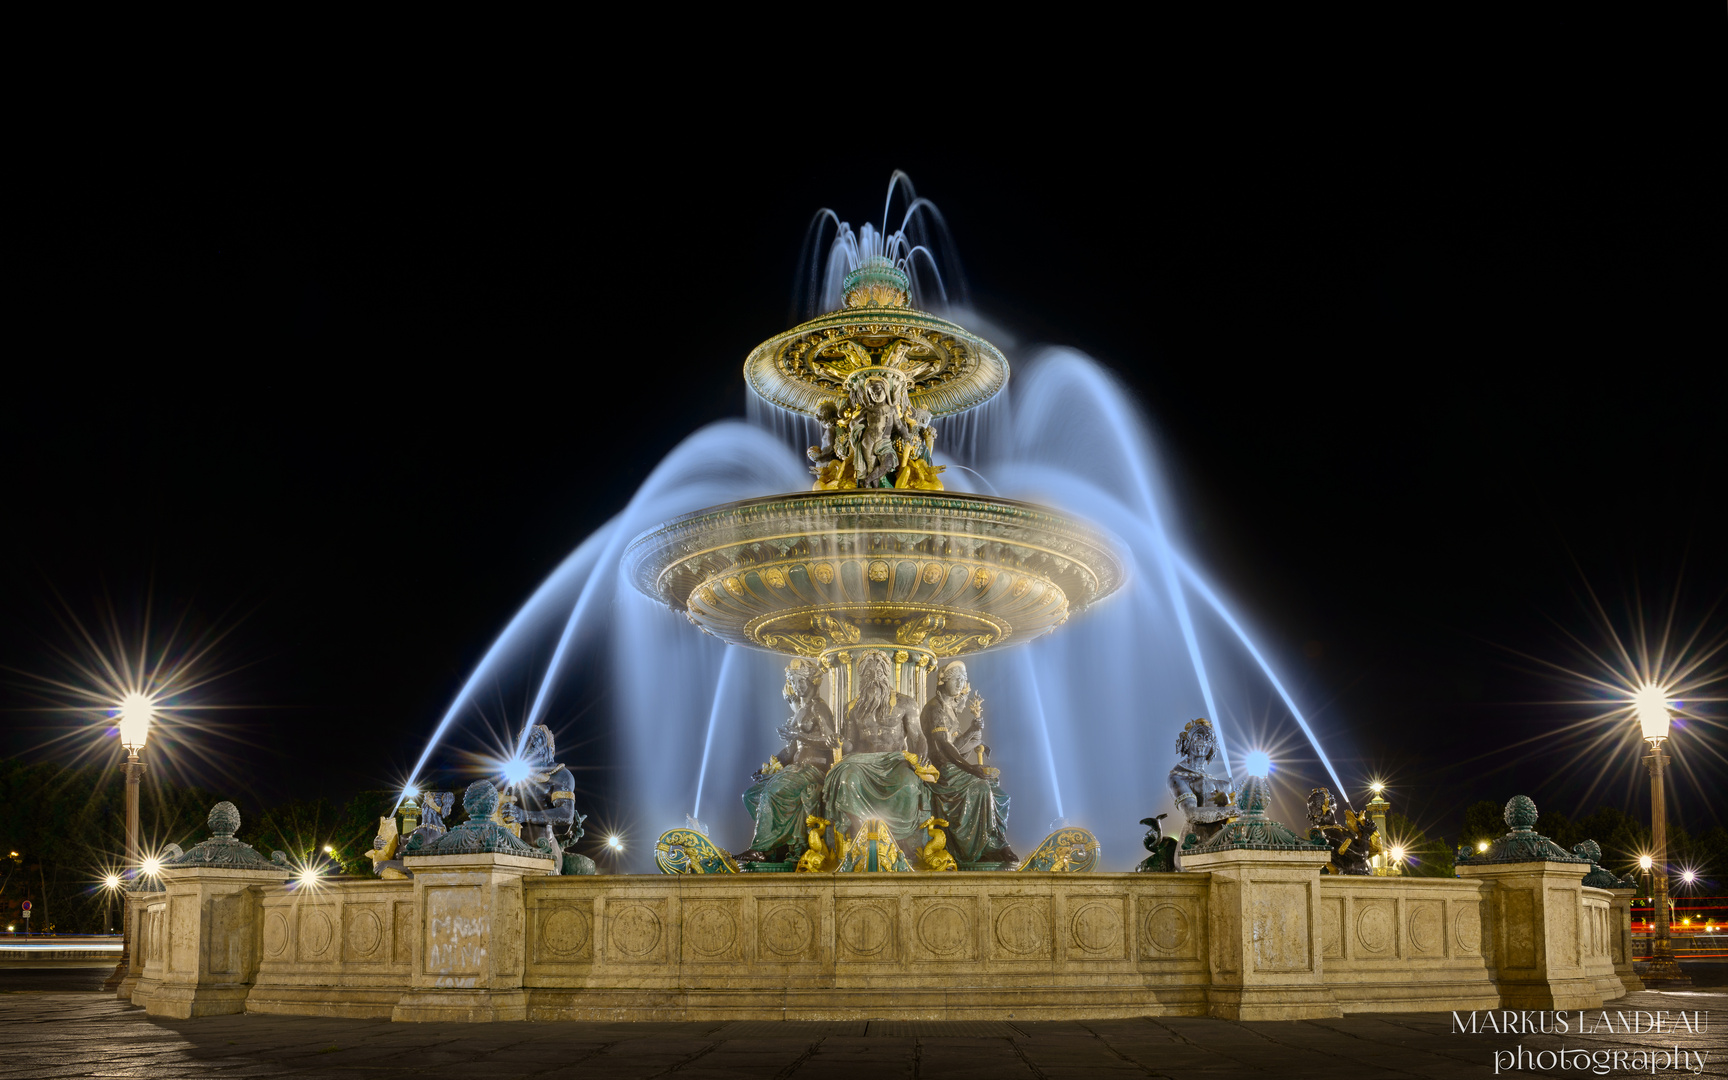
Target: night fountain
x,y
876,877
878,576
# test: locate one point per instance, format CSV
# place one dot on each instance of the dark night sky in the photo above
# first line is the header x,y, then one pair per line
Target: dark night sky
x,y
1421,375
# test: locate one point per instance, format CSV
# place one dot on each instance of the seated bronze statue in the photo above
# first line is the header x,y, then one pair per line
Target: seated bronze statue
x,y
968,795
787,791
880,777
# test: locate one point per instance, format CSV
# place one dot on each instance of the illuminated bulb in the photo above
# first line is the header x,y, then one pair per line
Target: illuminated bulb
x,y
328,850
616,843
410,792
515,771
1398,854
1258,763
152,866
1645,862
1376,787
112,881
136,712
1688,876
1481,845
1651,705
309,876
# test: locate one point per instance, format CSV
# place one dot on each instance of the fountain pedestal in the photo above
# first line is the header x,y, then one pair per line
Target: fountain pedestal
x,y
1264,919
467,955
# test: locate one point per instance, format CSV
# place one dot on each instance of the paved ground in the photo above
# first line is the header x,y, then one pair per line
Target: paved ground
x,y
47,1032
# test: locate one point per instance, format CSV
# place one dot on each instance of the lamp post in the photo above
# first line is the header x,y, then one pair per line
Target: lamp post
x,y
137,710
1651,705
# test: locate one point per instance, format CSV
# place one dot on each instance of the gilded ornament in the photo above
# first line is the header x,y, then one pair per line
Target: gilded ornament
x,y
706,592
824,573
734,586
798,644
774,577
982,577
914,633
955,644
934,854
902,656
1020,586
878,571
839,631
933,573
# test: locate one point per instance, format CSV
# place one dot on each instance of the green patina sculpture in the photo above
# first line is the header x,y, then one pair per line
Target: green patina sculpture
x,y
788,788
1163,848
480,834
1254,830
222,849
968,795
878,779
1598,877
1522,843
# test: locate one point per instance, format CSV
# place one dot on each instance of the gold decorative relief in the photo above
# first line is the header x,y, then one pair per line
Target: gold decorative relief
x,y
838,631
954,644
774,577
734,586
878,571
823,573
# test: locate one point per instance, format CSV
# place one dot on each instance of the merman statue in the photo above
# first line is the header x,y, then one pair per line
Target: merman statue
x,y
968,794
877,421
547,798
879,776
1206,801
788,788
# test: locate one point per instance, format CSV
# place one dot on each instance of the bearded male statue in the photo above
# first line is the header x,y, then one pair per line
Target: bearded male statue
x,y
548,799
873,431
967,794
882,740
788,787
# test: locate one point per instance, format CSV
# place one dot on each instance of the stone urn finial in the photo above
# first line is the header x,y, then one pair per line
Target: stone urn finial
x,y
1520,813
224,820
480,800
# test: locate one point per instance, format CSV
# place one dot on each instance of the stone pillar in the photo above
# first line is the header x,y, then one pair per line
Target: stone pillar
x,y
1620,939
1264,915
211,933
468,955
1534,924
131,966
1536,919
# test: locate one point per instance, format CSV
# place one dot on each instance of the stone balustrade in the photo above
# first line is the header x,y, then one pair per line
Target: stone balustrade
x,y
1242,934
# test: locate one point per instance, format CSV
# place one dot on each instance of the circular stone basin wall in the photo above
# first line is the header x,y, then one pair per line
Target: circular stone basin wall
x,y
938,573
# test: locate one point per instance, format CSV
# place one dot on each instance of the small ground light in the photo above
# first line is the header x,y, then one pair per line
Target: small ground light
x,y
1481,845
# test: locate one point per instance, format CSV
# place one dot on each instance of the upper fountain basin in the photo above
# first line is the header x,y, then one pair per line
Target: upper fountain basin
x,y
940,573
946,369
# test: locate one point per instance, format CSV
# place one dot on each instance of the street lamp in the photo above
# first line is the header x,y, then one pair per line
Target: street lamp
x,y
136,710
110,886
1650,704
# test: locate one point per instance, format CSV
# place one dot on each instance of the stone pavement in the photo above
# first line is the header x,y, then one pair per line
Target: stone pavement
x,y
50,1033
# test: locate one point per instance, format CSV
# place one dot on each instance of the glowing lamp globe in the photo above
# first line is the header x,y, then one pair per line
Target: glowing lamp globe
x,y
151,866
1481,845
1651,705
112,881
616,843
515,771
1397,854
1645,862
136,712
1258,763
1688,877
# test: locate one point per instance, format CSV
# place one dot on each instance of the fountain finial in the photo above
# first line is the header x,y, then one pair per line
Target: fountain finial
x,y
876,282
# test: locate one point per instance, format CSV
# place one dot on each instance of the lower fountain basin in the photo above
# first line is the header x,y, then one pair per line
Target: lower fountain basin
x,y
935,572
